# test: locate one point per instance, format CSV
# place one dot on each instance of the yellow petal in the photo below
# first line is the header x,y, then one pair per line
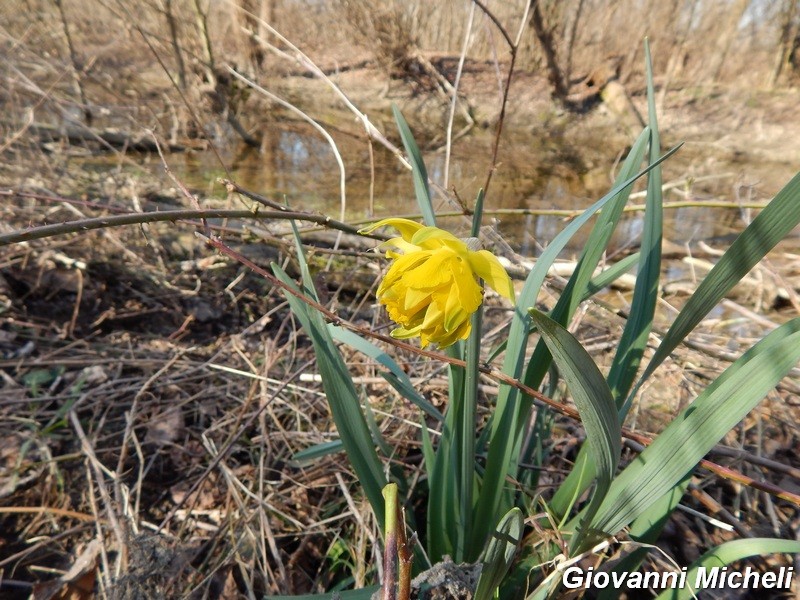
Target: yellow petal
x,y
401,333
460,333
464,297
406,228
415,300
433,237
398,243
431,273
434,315
488,268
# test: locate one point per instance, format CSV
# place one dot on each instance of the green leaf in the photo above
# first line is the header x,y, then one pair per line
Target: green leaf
x,y
595,404
419,172
646,529
727,553
512,407
579,288
428,454
645,294
688,438
773,224
477,215
500,553
305,274
593,250
318,451
396,376
601,281
342,399
637,329
610,275
446,519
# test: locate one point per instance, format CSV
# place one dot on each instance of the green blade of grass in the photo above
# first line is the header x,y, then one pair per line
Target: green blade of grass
x,y
773,224
342,399
646,529
610,275
602,280
418,170
578,288
593,250
688,438
465,405
318,451
305,274
725,554
428,454
512,407
645,294
596,406
396,376
443,515
500,554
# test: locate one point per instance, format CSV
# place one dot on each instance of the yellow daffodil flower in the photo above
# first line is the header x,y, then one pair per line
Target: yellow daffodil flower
x,y
432,287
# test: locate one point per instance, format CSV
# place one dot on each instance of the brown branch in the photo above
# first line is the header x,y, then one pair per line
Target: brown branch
x,y
44,231
496,22
512,48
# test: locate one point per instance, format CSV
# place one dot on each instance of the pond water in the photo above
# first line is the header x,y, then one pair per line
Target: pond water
x,y
540,175
296,165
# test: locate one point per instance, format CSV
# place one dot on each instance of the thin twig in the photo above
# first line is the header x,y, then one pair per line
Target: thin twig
x,y
454,99
44,231
512,47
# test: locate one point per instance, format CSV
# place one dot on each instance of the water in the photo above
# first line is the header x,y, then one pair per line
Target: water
x,y
297,165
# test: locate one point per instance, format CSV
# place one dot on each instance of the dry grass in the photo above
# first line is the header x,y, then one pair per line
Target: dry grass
x,y
154,397
154,394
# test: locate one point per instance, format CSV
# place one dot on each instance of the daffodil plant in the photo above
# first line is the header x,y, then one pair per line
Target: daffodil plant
x,y
477,483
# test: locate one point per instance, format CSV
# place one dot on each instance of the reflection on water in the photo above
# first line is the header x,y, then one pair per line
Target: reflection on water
x,y
297,165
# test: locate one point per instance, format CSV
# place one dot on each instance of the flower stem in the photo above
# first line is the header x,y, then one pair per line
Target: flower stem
x,y
390,551
398,549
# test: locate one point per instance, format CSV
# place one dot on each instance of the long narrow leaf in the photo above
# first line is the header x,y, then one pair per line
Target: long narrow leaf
x,y
342,399
702,424
725,554
511,406
646,529
595,404
773,224
500,554
396,376
645,294
610,275
593,250
318,451
419,172
599,282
